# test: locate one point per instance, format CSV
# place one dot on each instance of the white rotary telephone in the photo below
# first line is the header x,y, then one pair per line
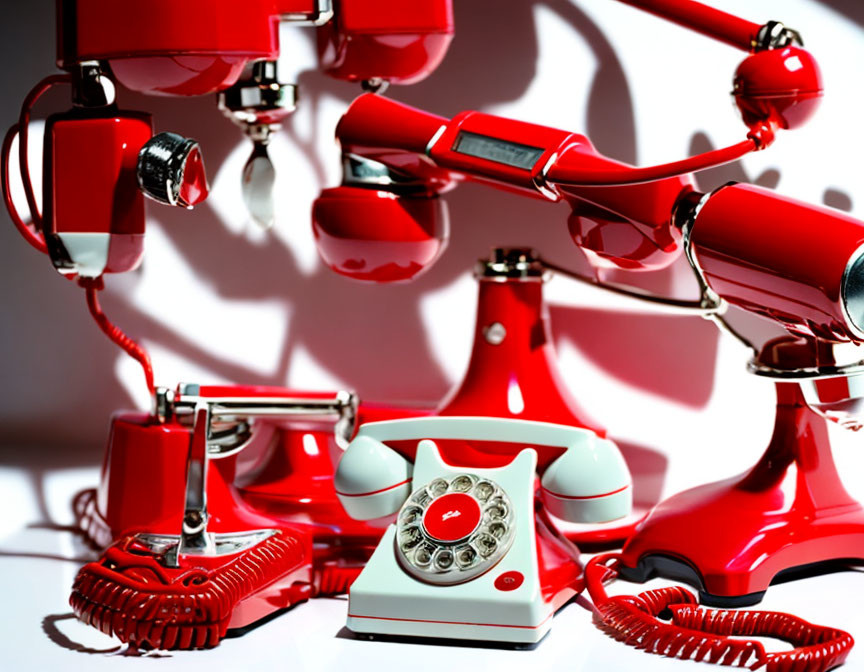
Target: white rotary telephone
x,y
468,556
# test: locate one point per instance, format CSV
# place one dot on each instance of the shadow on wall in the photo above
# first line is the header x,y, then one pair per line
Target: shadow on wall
x,y
65,383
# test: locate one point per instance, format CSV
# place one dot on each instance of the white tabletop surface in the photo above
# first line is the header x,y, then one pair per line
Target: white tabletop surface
x,y
39,559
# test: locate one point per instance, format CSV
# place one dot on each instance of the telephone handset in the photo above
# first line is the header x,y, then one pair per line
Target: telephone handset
x,y
468,557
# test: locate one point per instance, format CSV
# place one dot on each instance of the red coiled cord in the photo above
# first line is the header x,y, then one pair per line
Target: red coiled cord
x,y
137,352
697,633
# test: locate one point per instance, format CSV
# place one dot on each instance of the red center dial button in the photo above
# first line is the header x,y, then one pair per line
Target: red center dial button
x,y
452,517
509,581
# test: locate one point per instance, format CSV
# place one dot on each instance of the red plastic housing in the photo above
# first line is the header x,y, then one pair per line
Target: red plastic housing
x,y
186,48
401,42
779,86
790,510
706,20
91,187
378,236
783,259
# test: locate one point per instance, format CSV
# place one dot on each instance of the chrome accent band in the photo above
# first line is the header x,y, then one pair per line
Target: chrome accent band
x,y
774,35
808,373
541,182
852,292
169,546
508,264
439,562
435,138
362,171
323,13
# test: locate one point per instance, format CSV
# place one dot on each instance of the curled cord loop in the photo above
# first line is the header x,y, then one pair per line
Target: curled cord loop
x,y
31,235
22,128
23,141
697,633
92,286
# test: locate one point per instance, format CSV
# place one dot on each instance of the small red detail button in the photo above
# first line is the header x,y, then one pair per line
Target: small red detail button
x,y
509,581
452,517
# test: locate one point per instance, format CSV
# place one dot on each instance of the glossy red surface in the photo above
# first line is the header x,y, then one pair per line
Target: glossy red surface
x,y
377,236
178,75
142,486
782,86
373,122
779,258
194,188
703,19
401,42
629,227
288,482
452,517
790,510
161,46
90,181
518,377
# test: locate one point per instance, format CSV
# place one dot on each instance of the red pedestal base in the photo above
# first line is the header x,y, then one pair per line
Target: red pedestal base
x,y
789,514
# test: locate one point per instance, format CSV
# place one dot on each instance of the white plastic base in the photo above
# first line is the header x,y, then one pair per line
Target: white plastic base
x,y
386,600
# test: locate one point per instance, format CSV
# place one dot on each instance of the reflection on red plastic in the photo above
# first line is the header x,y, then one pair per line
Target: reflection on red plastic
x,y
783,86
194,189
376,236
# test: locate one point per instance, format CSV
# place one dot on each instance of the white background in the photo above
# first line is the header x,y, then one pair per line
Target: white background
x,y
219,301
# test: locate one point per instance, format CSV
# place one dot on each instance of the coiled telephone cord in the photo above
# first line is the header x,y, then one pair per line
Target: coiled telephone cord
x,y
701,634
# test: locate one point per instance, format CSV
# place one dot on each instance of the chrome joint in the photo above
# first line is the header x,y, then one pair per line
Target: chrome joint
x,y
322,14
91,87
258,101
506,264
541,181
361,171
434,139
774,35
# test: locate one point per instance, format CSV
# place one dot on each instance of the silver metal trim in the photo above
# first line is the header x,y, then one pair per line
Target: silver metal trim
x,y
850,321
435,138
709,296
807,373
237,411
364,172
662,303
210,441
541,182
168,546
194,537
323,13
774,35
410,522
506,264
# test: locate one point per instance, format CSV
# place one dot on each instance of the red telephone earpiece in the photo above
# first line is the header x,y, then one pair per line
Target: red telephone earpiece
x,y
377,235
778,86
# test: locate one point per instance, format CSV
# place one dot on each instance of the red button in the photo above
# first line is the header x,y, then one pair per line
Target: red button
x,y
452,517
509,581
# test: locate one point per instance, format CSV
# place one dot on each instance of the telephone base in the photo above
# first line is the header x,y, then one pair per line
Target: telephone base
x,y
734,538
392,603
513,601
